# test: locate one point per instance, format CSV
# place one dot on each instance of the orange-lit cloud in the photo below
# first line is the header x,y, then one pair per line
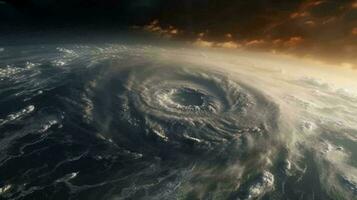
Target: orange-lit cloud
x,y
254,43
354,5
354,31
155,27
310,23
299,14
307,27
203,43
228,35
229,45
293,41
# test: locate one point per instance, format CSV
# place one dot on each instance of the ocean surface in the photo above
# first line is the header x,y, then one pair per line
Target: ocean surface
x,y
142,120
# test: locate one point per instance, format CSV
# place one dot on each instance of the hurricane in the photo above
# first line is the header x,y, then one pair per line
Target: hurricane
x,y
154,121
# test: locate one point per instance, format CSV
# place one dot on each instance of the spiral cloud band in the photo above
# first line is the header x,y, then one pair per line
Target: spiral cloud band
x,y
151,122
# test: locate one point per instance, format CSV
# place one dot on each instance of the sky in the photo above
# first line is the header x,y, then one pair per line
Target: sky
x,y
323,29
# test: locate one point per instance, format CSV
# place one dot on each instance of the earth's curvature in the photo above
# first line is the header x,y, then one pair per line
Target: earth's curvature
x,y
119,121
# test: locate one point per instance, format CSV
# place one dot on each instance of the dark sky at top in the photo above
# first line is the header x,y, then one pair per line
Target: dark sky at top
x,y
318,25
243,18
80,12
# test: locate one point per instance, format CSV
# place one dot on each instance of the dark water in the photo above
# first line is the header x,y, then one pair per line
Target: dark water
x,y
115,122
